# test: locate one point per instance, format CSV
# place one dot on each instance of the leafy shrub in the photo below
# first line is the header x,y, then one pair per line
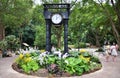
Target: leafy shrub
x,y
94,66
40,37
76,66
86,54
71,46
27,63
3,44
80,45
95,59
10,42
74,53
51,59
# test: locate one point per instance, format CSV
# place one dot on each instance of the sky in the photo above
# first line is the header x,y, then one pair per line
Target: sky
x,y
39,1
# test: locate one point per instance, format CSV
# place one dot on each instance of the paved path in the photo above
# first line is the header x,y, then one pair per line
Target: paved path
x,y
109,69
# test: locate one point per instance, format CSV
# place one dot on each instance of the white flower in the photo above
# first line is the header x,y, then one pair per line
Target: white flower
x,y
65,55
41,57
58,53
66,62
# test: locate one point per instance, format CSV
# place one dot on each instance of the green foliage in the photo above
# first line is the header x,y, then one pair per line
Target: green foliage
x,y
39,23
13,42
30,66
80,45
88,21
76,66
37,16
74,53
10,42
28,34
40,37
86,54
95,59
94,66
34,54
51,59
76,63
28,62
15,13
3,44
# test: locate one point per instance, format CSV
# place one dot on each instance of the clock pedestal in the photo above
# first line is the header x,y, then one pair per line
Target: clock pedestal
x,y
48,36
52,20
65,36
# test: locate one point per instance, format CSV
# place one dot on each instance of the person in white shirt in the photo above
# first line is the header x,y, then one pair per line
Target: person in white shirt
x,y
114,53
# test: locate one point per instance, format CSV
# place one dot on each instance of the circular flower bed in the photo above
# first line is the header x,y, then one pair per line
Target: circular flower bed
x,y
56,64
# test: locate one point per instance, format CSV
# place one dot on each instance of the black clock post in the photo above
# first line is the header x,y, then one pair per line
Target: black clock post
x,y
55,18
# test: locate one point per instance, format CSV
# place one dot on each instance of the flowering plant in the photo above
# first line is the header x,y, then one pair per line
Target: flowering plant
x,y
27,62
74,62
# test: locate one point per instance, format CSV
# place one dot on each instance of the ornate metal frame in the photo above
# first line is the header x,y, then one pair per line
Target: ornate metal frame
x,y
47,15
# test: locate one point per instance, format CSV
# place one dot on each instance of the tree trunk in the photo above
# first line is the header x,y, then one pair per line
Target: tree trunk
x,y
2,32
58,33
59,41
116,8
97,41
115,32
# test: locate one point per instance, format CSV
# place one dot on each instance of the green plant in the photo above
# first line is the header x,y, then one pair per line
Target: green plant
x,y
12,41
3,44
86,54
94,59
32,65
94,65
76,66
74,53
51,59
80,45
27,63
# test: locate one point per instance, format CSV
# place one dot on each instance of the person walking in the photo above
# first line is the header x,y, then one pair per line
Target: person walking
x,y
107,51
114,53
117,47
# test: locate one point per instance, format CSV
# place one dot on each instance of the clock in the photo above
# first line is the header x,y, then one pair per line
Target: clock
x,y
56,18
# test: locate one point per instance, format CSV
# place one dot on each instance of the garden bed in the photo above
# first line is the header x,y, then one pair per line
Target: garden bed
x,y
76,64
44,72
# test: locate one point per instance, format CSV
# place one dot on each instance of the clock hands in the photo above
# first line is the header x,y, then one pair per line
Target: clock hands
x,y
57,17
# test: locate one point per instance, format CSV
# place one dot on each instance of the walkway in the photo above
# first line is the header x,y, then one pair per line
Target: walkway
x,y
109,69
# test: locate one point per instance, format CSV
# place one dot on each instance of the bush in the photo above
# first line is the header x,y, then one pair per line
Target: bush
x,y
3,44
95,59
13,42
80,45
40,37
10,42
27,62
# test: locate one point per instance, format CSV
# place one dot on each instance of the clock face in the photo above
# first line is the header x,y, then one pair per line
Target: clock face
x,y
56,18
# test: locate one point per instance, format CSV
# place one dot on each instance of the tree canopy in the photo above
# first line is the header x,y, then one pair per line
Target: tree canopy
x,y
90,21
